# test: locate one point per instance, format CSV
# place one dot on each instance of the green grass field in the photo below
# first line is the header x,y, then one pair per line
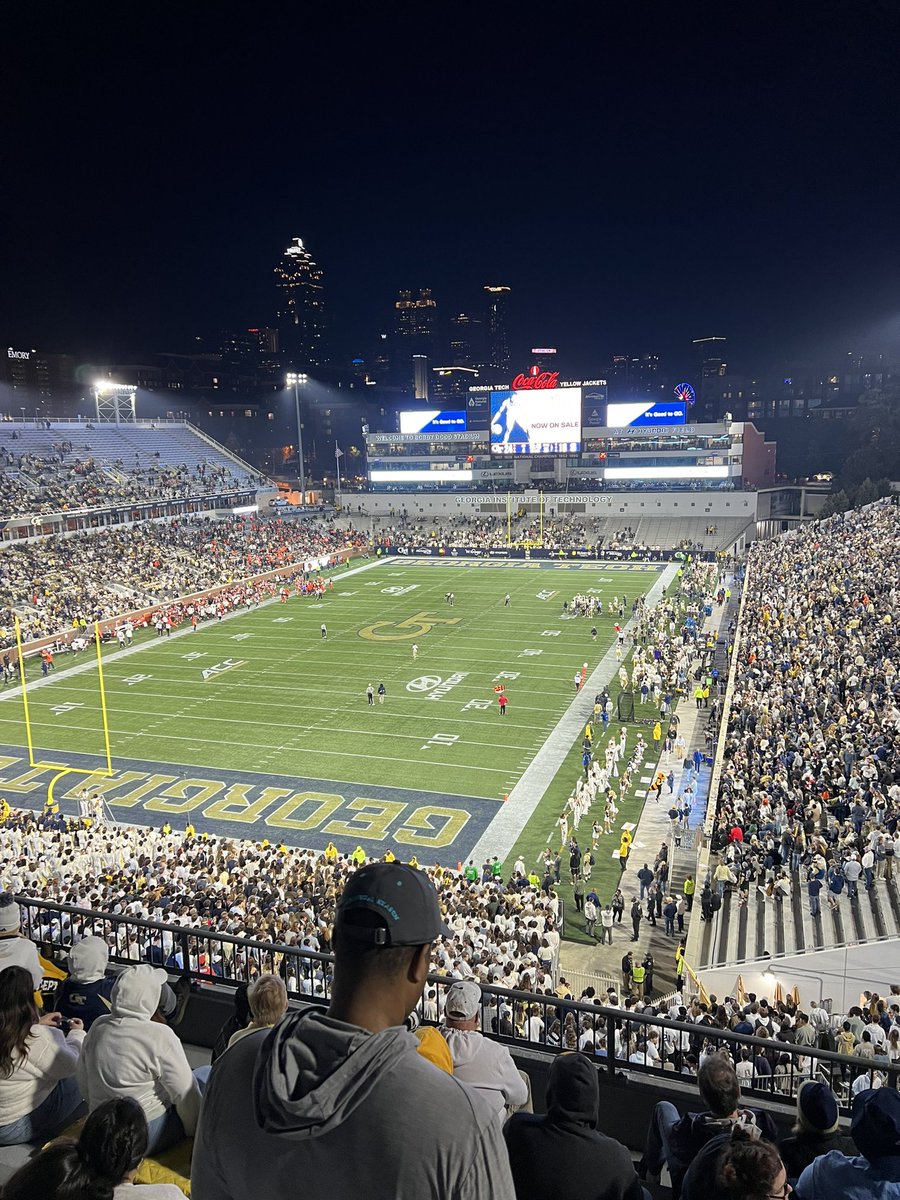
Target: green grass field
x,y
256,726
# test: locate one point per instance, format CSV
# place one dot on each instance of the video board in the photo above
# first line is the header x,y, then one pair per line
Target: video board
x,y
536,421
646,412
433,420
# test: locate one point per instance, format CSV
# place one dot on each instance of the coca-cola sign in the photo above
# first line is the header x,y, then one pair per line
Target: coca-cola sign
x,y
535,379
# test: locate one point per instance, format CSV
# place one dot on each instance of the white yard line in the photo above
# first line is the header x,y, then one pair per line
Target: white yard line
x,y
90,663
506,828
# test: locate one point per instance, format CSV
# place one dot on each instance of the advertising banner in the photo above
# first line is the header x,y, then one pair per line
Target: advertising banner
x,y
646,412
433,420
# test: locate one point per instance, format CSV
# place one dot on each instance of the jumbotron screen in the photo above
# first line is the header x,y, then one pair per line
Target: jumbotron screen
x,y
539,421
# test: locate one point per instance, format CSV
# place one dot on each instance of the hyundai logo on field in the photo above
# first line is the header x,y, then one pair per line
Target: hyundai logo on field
x,y
424,683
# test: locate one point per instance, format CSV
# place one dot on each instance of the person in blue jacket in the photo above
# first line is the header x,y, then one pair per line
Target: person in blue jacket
x,y
86,992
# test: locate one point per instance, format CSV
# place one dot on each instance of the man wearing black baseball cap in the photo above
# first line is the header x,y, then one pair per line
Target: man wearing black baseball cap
x,y
330,1102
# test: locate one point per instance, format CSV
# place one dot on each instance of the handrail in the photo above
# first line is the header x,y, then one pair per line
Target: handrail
x,y
498,1004
220,448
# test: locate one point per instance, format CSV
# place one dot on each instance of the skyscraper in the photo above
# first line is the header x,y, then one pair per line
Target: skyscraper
x,y
711,367
301,307
416,317
466,341
499,355
635,376
415,329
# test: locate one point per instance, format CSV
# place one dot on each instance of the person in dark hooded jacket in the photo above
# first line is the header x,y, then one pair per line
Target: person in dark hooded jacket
x,y
817,1130
873,1174
596,1167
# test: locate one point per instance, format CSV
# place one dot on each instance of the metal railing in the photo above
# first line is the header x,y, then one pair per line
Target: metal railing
x,y
618,1040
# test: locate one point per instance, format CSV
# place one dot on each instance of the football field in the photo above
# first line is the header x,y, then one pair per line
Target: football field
x,y
258,726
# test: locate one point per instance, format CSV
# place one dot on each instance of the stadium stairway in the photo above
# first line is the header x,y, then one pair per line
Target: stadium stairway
x,y
763,927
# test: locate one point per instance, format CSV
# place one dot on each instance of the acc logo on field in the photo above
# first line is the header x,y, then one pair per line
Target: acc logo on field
x,y
424,683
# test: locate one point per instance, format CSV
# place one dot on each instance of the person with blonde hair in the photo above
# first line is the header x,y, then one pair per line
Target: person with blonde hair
x,y
268,1000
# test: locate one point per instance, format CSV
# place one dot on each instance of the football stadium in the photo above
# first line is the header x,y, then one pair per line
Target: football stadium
x,y
640,767
450,604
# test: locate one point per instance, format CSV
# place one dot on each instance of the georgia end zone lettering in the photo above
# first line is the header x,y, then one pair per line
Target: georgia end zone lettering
x,y
301,812
415,626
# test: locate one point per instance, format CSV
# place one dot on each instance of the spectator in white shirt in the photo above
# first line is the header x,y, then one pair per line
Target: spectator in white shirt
x,y
15,950
484,1065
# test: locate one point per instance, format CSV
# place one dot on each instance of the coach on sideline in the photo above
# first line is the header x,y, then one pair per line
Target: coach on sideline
x,y
328,1103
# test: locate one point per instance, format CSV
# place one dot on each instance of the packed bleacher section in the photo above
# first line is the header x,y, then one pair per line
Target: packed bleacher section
x,y
503,932
556,532
810,781
809,800
57,584
46,468
100,1058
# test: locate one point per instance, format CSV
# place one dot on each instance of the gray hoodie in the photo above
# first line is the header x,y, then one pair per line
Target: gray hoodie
x,y
342,1110
88,960
127,1054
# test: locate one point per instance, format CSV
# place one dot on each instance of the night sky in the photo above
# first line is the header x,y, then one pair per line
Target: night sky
x,y
639,175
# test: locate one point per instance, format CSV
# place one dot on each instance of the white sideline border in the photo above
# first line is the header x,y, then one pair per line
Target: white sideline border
x,y
507,826
90,664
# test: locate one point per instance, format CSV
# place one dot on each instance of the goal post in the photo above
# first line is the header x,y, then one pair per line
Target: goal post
x,y
63,768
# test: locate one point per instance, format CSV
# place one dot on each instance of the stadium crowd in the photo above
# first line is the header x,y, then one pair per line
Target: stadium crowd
x,y
59,584
56,482
351,1077
810,790
488,533
811,785
502,932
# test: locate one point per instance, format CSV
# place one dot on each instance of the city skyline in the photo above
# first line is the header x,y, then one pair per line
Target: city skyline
x,y
735,177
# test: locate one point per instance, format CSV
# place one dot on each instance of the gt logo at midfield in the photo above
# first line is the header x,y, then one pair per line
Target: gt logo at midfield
x,y
415,626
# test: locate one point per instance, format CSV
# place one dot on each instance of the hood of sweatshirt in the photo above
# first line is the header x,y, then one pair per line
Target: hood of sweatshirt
x,y
136,992
88,960
312,1071
573,1093
464,1044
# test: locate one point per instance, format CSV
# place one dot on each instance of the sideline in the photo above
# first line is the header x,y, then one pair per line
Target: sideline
x,y
507,827
146,643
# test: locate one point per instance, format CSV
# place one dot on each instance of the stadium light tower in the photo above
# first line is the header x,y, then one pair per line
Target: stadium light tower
x,y
114,401
295,379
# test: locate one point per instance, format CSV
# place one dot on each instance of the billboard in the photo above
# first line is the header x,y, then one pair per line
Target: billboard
x,y
536,421
433,420
379,475
646,412
611,474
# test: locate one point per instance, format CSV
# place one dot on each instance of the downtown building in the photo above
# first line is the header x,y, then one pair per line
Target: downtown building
x,y
301,316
